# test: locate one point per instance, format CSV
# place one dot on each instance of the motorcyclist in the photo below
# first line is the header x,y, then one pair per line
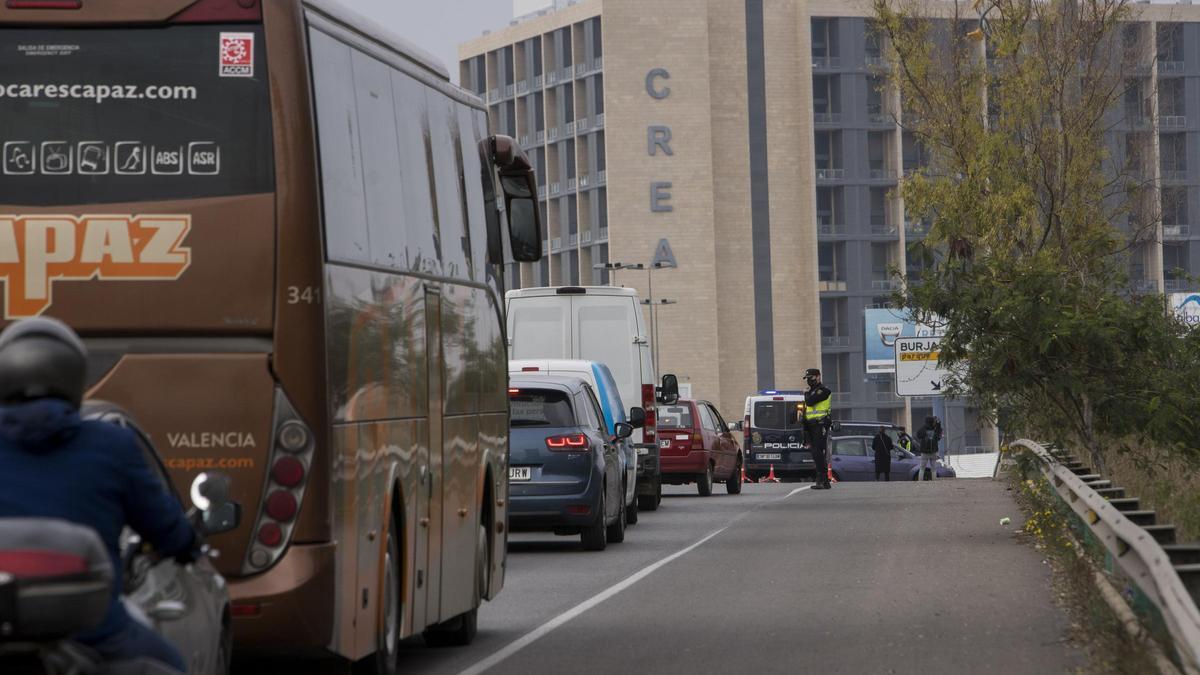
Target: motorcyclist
x,y
54,464
816,426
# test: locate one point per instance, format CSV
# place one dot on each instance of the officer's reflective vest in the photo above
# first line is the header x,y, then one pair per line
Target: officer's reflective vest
x,y
819,411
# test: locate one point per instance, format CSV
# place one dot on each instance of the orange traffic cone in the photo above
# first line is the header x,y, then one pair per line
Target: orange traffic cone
x,y
745,478
829,474
771,476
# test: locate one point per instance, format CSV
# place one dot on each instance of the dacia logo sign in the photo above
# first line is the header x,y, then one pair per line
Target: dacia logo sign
x,y
36,251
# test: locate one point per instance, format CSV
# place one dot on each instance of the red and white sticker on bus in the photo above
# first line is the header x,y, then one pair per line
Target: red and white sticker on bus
x,y
38,251
237,54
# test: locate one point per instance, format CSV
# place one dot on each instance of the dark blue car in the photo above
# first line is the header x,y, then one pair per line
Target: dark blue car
x,y
564,470
853,459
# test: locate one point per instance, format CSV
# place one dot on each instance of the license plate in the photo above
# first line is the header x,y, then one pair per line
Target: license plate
x,y
767,455
643,451
664,443
519,473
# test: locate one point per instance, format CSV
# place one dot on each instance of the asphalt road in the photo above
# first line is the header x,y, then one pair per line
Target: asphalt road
x,y
864,578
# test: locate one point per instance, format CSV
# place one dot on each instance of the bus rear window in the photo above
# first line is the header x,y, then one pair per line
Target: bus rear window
x,y
539,408
777,415
103,115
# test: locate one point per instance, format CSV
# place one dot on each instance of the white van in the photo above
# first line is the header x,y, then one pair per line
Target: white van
x,y
615,411
595,323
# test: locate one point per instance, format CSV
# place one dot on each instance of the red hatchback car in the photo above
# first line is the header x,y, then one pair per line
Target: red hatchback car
x,y
695,446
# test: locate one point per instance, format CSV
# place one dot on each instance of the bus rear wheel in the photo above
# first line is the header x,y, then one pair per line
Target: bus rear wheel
x,y
383,661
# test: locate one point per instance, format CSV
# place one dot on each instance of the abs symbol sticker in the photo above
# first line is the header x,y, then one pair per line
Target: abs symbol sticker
x,y
237,54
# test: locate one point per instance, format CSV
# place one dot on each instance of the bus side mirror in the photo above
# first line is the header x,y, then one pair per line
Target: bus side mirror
x,y
637,417
669,391
519,184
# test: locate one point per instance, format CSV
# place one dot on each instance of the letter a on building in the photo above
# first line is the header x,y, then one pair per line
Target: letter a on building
x,y
663,255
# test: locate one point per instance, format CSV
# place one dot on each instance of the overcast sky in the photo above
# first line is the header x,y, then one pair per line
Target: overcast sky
x,y
438,25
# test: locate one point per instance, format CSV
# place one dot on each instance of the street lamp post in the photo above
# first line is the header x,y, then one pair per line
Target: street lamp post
x,y
614,267
654,323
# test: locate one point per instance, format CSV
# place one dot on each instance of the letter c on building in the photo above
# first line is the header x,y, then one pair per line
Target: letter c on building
x,y
651,87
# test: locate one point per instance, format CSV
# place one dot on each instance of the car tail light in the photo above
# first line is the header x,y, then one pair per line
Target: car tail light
x,y
245,609
514,392
44,4
290,459
215,11
579,509
697,440
569,443
649,433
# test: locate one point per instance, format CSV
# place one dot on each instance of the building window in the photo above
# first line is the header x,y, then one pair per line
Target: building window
x,y
1172,107
878,153
824,43
1175,210
535,45
1173,155
831,265
829,211
877,109
828,153
827,103
1170,47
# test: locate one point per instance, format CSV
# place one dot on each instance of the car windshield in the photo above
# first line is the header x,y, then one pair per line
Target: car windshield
x,y
674,417
777,415
540,408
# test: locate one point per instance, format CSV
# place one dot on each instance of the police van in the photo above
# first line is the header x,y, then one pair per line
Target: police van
x,y
773,435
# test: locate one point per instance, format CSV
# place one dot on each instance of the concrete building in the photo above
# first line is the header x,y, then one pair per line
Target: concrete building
x,y
754,138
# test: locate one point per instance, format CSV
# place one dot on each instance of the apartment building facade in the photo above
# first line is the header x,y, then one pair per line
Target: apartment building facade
x,y
757,138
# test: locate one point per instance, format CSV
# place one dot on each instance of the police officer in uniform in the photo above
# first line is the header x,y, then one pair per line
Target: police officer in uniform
x,y
817,406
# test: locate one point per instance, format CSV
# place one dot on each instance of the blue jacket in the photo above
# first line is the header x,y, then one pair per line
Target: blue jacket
x,y
53,464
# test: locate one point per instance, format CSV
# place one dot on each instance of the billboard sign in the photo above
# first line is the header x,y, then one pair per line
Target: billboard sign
x,y
883,328
916,364
1187,308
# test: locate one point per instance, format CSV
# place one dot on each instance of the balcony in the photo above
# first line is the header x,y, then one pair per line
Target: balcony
x,y
826,228
831,174
884,230
524,140
508,91
556,244
555,188
603,235
1177,285
569,129
587,237
875,61
523,87
1171,67
540,136
566,73
581,125
886,397
541,192
1177,231
835,340
493,95
538,80
545,247
1172,121
1174,175
601,177
1137,120
885,284
600,121
1144,286
598,63
826,62
827,117
572,240
572,183
551,77
581,69
834,286
552,133
584,180
881,174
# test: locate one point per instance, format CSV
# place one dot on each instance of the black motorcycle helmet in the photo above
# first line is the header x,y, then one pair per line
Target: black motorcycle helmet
x,y
41,358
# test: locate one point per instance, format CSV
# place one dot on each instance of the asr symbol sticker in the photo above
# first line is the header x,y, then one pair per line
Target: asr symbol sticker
x,y
36,251
237,54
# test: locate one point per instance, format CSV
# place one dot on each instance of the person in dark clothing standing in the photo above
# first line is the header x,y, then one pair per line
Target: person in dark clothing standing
x,y
817,406
883,447
53,464
928,438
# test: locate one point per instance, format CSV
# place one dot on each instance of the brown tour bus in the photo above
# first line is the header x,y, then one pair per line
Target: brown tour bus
x,y
280,230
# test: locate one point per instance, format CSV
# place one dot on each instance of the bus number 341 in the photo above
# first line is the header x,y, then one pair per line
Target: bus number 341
x,y
307,295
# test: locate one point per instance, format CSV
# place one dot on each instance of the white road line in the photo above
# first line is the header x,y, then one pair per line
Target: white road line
x,y
544,629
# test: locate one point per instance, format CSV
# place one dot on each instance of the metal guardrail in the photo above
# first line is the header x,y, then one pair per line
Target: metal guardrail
x,y
1133,548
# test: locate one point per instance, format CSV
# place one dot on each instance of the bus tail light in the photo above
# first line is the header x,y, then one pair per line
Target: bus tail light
x,y
290,461
649,433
